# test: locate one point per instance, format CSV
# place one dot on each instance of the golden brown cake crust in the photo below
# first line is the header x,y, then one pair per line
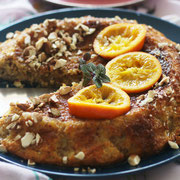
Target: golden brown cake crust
x,y
145,130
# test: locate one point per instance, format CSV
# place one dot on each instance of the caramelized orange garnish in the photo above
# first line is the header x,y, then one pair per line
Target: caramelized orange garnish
x,y
106,102
119,39
134,72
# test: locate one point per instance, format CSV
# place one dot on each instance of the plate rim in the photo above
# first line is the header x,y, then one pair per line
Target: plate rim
x,y
99,175
71,4
119,173
51,12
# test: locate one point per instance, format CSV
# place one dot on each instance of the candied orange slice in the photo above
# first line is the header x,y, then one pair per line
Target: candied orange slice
x,y
119,39
134,72
106,102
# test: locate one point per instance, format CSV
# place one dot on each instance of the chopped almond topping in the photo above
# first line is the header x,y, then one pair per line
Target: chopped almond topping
x,y
38,138
76,169
35,116
27,115
117,18
30,52
80,155
81,26
42,57
64,90
27,40
18,127
164,80
149,98
161,45
85,28
134,160
54,99
60,63
11,126
27,139
18,84
178,47
79,52
52,36
17,137
34,100
15,117
40,43
29,123
9,35
91,170
169,90
31,162
55,112
65,159
173,145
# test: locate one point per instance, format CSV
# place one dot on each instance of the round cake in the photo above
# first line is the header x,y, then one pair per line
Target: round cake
x,y
44,131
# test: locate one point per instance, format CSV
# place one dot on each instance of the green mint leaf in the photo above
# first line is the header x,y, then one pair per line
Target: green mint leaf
x,y
86,80
91,67
85,70
92,72
97,82
82,61
105,78
101,69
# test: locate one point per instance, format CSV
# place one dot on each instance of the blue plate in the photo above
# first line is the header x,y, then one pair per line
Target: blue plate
x,y
170,30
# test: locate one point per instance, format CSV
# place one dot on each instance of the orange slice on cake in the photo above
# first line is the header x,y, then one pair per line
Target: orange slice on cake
x,y
134,72
106,102
119,39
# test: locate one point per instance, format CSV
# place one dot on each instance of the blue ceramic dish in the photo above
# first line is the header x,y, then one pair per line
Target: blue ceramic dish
x,y
170,30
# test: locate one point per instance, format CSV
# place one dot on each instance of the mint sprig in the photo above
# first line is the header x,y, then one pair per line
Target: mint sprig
x,y
91,72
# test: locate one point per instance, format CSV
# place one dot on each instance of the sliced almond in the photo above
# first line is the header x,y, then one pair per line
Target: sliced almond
x,y
134,160
54,99
52,36
18,84
27,40
17,137
38,138
55,111
178,47
150,97
91,170
165,80
65,159
29,123
63,90
11,125
76,169
40,43
27,115
60,63
31,162
80,155
79,52
9,35
173,145
27,139
15,117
